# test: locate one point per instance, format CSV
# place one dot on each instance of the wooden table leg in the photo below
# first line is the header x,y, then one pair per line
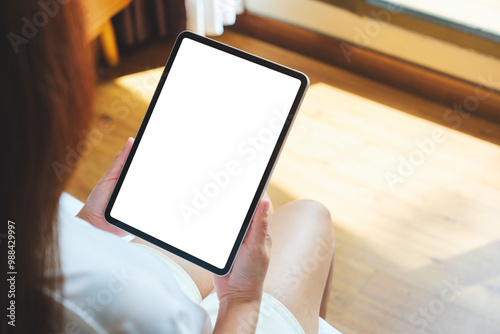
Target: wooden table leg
x,y
108,43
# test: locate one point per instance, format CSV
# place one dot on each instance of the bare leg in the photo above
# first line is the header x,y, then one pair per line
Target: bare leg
x,y
301,260
326,293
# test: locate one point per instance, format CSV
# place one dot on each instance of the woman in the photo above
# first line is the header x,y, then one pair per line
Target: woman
x,y
46,92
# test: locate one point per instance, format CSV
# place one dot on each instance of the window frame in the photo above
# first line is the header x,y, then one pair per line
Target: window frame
x,y
441,28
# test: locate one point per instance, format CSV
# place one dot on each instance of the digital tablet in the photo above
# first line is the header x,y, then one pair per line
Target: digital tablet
x,y
205,151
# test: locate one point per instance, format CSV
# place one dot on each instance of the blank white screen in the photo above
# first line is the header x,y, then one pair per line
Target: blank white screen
x,y
204,151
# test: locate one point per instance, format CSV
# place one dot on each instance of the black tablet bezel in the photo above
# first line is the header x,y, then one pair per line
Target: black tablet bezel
x,y
267,173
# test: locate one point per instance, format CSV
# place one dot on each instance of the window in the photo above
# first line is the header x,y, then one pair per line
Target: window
x,y
479,17
472,24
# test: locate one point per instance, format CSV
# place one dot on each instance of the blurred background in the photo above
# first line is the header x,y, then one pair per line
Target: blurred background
x,y
398,136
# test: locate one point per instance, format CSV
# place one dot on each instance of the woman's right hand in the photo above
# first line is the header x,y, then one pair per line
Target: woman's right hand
x,y
240,292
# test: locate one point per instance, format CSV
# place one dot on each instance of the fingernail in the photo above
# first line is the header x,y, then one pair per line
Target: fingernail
x,y
265,207
126,142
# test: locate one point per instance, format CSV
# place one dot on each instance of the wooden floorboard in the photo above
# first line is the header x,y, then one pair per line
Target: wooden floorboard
x,y
399,248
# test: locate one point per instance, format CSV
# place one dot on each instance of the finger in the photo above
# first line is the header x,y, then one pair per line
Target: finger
x,y
259,232
117,164
268,198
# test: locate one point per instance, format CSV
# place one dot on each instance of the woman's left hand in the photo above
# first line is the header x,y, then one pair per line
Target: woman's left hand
x,y
93,210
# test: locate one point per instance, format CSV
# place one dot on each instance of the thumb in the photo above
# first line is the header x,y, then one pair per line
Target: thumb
x,y
117,164
259,230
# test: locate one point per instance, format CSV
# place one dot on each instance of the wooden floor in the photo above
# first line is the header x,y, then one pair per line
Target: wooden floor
x,y
415,203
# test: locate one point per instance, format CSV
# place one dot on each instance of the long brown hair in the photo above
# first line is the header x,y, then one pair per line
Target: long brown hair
x,y
46,88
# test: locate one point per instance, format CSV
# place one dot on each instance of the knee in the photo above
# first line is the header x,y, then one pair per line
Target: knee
x,y
313,206
319,216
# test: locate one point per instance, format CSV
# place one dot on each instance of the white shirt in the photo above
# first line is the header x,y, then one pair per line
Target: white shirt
x,y
116,287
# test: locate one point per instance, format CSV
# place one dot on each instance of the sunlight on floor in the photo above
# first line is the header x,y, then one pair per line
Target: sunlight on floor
x,y
142,85
395,181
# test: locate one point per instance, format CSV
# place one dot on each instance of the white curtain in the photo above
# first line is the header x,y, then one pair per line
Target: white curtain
x,y
208,17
